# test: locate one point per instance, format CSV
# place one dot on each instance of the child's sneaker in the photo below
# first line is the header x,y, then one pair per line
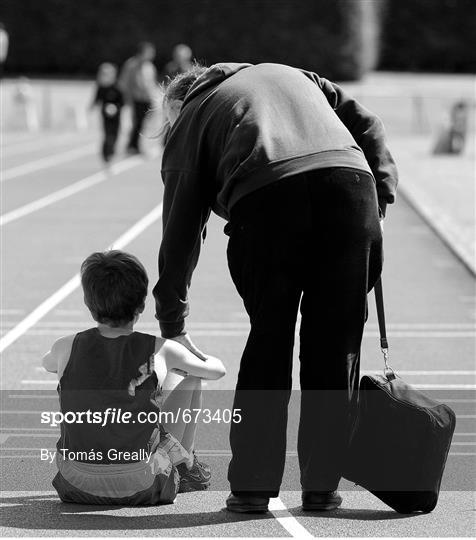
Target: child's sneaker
x,y
195,479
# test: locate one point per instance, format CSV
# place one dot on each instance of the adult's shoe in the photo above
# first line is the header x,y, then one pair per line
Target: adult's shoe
x,y
320,500
247,504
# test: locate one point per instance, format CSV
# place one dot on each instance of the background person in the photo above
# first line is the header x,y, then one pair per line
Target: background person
x,y
138,81
302,174
4,42
109,98
181,61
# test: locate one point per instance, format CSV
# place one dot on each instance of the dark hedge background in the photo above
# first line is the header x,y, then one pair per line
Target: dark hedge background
x,y
334,37
337,38
429,35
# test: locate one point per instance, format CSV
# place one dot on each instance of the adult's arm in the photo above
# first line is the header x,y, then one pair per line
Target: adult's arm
x,y
368,132
185,213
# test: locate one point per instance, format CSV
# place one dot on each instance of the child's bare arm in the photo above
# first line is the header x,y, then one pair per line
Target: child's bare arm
x,y
179,359
55,360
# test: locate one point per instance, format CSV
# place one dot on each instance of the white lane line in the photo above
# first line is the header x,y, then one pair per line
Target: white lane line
x,y
40,381
445,373
225,325
444,386
38,145
244,333
68,191
33,435
429,372
15,139
417,386
286,520
46,162
463,444
451,400
32,396
20,429
71,285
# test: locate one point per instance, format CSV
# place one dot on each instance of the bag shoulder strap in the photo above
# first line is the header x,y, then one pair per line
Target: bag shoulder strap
x,y
380,313
378,290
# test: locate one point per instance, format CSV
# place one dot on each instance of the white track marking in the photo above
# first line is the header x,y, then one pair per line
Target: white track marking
x,y
40,369
286,520
46,162
244,333
32,396
416,386
16,139
397,371
20,429
71,285
246,325
463,444
68,191
444,386
428,372
37,145
40,381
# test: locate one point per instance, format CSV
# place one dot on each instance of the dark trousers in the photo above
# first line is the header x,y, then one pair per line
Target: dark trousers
x,y
139,112
111,131
313,242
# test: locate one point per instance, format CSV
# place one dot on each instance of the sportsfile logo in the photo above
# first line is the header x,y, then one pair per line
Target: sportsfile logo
x,y
117,416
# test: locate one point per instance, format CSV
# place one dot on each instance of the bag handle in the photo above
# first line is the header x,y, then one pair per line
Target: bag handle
x,y
378,290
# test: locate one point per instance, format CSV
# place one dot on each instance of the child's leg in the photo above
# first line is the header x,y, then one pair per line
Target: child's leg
x,y
187,394
110,136
116,124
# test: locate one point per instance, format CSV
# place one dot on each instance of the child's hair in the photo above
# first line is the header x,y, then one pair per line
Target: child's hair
x,y
115,286
107,71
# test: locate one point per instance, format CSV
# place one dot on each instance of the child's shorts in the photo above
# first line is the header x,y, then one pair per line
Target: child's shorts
x,y
127,484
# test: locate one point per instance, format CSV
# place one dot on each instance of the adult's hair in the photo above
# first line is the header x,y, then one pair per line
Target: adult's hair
x,y
178,87
115,286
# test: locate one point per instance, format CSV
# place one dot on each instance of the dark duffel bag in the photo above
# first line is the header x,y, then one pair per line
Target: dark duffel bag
x,y
401,438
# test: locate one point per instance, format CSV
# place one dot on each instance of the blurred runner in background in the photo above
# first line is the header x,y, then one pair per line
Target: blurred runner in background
x,y
138,82
109,97
4,40
181,61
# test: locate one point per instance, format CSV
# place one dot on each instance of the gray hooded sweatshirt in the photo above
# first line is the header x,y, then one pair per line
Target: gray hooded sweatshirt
x,y
240,128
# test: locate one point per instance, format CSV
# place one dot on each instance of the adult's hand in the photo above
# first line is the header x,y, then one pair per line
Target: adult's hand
x,y
186,341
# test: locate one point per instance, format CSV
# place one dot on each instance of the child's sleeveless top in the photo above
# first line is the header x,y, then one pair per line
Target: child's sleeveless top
x,y
108,373
100,459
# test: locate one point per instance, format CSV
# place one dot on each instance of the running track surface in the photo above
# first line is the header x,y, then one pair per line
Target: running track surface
x,y
57,207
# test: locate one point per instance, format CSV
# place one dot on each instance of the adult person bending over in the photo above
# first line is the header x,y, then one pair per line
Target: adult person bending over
x,y
302,173
138,82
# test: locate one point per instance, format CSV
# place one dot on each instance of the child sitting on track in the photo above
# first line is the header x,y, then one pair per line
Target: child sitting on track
x,y
110,372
